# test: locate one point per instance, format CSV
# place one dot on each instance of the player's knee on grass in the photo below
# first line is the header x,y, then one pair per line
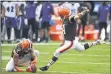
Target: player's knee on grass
x,y
36,53
10,66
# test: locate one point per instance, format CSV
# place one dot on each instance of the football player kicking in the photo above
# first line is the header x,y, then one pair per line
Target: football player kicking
x,y
22,55
69,30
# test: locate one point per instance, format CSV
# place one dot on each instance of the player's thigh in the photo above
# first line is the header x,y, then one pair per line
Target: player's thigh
x,y
67,45
64,48
45,25
33,24
42,25
20,21
105,25
101,25
14,22
25,59
7,22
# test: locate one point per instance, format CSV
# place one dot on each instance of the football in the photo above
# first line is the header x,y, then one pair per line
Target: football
x,y
33,68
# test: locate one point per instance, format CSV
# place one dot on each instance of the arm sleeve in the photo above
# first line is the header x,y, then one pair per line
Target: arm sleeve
x,y
17,49
32,53
14,51
71,19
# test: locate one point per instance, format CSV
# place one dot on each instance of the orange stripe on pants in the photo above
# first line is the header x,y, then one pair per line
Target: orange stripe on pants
x,y
61,51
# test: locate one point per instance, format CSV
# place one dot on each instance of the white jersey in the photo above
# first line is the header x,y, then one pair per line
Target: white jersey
x,y
10,9
25,61
38,9
75,8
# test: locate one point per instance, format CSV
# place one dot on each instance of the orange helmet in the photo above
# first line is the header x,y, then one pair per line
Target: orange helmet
x,y
26,43
63,12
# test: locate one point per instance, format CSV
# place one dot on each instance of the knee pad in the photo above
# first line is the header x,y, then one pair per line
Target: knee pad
x,y
36,52
10,66
54,58
9,70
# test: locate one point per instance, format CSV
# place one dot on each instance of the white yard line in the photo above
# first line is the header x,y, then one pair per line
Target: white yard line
x,y
67,54
63,72
43,44
33,44
66,62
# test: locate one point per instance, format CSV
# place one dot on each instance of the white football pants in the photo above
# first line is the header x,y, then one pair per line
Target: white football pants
x,y
69,45
22,62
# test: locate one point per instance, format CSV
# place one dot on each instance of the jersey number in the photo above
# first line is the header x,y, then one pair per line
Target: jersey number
x,y
64,32
10,9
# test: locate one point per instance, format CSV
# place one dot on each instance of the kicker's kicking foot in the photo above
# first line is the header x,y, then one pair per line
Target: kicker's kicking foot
x,y
45,68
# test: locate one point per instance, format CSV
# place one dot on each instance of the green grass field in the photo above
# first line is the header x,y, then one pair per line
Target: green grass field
x,y
95,60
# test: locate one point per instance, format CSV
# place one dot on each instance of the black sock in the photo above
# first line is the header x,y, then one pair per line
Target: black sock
x,y
88,45
54,59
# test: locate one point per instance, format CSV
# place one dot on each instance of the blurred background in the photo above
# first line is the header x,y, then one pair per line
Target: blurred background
x,y
39,21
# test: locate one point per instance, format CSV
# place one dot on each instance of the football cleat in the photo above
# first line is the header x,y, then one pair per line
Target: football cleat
x,y
45,68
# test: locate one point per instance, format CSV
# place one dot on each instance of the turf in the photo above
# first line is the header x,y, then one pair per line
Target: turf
x,y
95,60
